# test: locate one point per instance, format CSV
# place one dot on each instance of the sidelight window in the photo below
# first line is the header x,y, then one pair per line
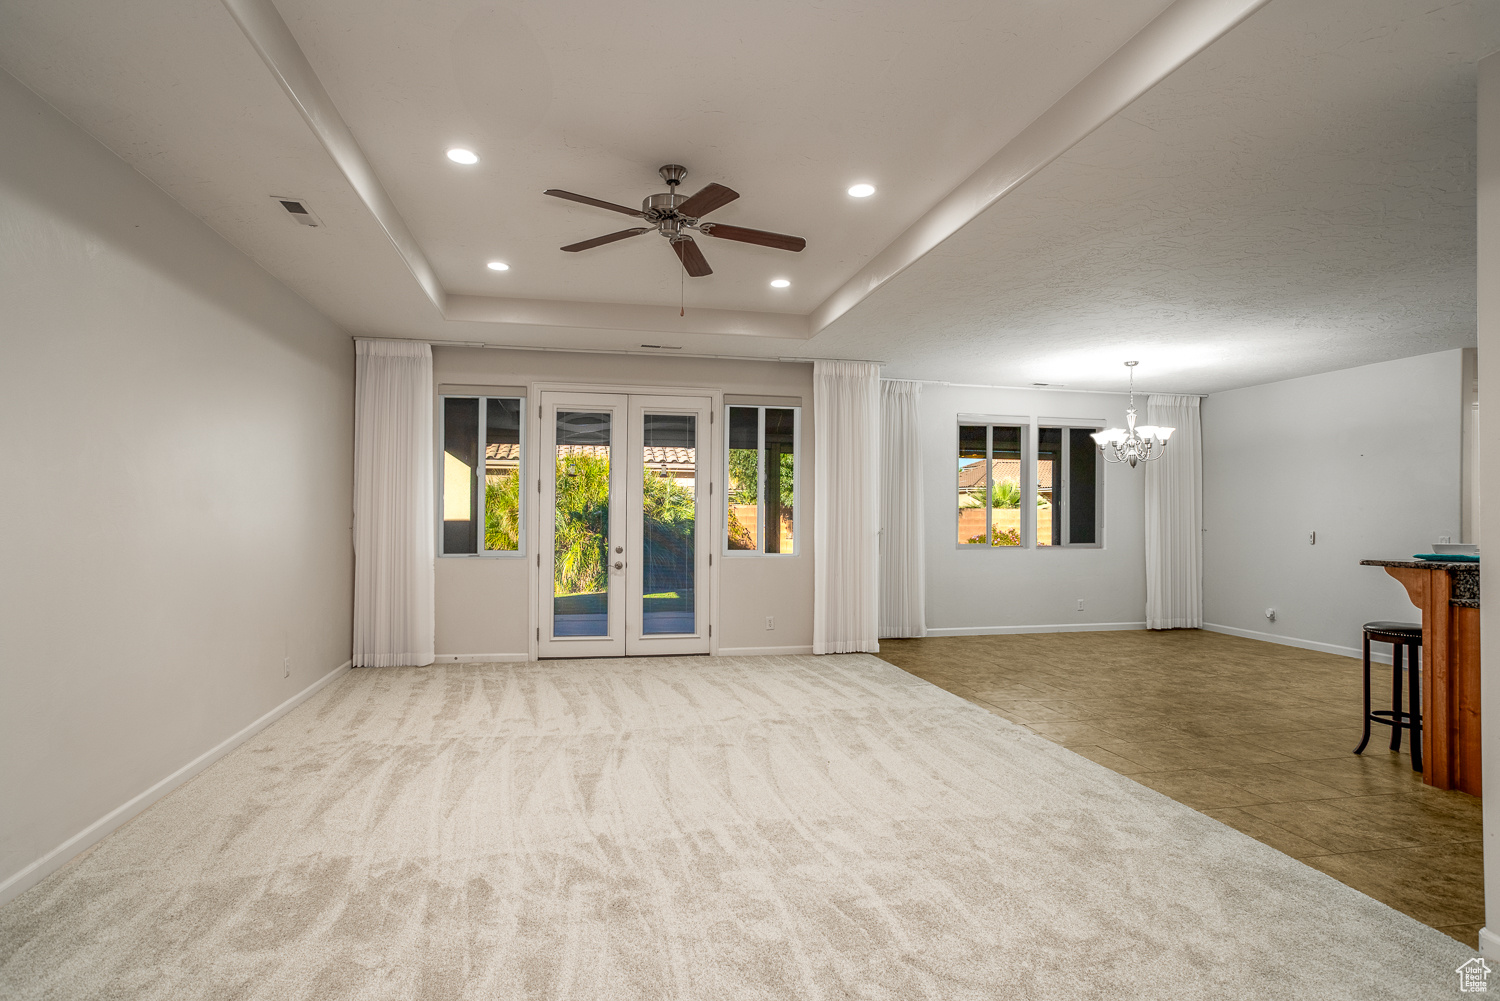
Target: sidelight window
x,y
761,499
480,477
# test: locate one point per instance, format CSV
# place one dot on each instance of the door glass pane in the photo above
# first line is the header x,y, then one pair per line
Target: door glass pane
x,y
460,462
780,465
668,521
743,496
580,553
1005,486
502,475
1083,467
972,486
1048,470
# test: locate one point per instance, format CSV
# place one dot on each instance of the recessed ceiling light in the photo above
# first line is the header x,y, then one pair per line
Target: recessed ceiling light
x,y
780,283
460,155
862,191
498,266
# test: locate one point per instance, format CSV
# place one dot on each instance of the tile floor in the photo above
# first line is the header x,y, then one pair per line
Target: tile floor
x,y
1256,735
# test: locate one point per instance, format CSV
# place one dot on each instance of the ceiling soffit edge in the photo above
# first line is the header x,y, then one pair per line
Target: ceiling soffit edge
x,y
273,40
624,316
1180,32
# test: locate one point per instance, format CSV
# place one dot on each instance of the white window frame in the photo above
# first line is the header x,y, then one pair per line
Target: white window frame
x,y
1028,480
521,472
760,481
1062,482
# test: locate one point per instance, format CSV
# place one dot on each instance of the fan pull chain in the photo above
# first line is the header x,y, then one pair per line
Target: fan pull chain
x,y
681,298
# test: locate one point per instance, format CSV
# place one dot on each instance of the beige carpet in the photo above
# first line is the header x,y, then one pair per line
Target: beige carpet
x,y
792,827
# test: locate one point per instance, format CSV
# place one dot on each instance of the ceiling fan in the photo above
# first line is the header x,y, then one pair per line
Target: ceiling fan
x,y
672,215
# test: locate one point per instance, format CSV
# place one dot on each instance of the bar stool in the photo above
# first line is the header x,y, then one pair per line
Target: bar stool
x,y
1403,637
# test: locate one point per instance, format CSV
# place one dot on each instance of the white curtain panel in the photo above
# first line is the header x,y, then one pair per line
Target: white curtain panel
x,y
903,586
846,478
1174,517
394,531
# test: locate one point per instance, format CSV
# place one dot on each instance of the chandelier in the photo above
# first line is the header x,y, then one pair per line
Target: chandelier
x,y
1133,444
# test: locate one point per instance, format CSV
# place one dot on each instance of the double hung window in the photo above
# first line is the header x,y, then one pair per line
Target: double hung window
x,y
761,498
481,475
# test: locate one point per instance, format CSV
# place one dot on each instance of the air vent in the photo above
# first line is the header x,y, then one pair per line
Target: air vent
x,y
298,210
664,347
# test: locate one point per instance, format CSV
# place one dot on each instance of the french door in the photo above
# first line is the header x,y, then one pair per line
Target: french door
x,y
625,525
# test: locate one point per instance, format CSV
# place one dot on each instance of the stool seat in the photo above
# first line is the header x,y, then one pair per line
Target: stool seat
x,y
1404,638
1412,630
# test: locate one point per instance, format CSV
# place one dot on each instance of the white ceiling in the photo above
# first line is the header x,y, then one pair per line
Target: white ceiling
x,y
787,102
1297,198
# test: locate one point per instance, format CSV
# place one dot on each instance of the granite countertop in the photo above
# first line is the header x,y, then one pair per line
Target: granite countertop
x,y
1464,575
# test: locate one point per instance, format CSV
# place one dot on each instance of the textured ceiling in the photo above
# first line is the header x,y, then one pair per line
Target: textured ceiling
x,y
1298,198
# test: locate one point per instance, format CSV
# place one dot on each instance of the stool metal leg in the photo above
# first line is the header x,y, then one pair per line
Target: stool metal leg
x,y
1413,675
1366,739
1397,649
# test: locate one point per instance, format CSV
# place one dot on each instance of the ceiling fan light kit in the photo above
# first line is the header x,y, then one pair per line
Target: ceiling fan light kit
x,y
675,216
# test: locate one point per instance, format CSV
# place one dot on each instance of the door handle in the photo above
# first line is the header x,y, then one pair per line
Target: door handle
x,y
619,564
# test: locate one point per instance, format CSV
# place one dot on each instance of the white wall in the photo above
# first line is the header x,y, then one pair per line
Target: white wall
x,y
974,589
482,601
1489,471
1368,458
175,469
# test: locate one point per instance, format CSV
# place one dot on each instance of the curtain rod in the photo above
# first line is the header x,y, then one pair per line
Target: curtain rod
x,y
633,352
658,353
1031,389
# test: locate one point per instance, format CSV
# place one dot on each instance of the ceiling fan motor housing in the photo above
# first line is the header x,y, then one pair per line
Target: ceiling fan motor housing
x,y
662,206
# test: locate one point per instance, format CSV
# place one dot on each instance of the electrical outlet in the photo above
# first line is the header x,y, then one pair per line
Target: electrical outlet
x,y
286,667
1080,604
1312,538
770,622
1271,615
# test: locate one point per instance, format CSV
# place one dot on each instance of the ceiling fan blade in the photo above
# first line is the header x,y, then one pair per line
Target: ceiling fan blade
x,y
715,196
600,241
692,257
759,237
596,202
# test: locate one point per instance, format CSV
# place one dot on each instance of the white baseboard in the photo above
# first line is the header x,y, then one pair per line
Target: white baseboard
x,y
1063,627
763,651
480,658
1379,652
1489,944
63,853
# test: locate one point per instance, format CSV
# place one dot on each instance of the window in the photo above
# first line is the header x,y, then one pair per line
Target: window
x,y
1067,484
760,501
1005,499
990,485
487,430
